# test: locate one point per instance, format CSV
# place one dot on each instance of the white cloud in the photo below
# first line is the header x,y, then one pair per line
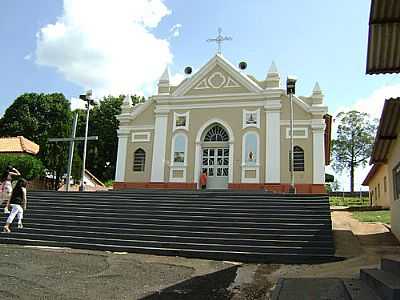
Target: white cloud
x,y
372,105
177,78
175,30
28,56
107,45
77,103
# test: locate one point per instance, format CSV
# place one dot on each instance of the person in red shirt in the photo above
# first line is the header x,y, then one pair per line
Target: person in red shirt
x,y
203,180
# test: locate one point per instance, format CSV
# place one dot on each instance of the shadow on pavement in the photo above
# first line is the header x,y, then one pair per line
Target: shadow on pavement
x,y
210,286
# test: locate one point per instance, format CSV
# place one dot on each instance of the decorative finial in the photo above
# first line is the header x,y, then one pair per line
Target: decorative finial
x,y
219,39
165,75
317,89
273,68
127,103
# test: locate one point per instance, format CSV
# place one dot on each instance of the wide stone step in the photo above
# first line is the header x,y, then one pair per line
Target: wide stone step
x,y
385,284
158,206
187,216
110,233
358,290
206,254
187,222
185,233
314,232
171,245
170,202
180,193
177,211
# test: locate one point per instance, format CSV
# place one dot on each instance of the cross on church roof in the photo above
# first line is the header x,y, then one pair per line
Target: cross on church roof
x,y
219,39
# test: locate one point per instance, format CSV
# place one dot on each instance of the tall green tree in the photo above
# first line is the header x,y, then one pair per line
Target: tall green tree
x,y
353,145
102,154
39,117
29,166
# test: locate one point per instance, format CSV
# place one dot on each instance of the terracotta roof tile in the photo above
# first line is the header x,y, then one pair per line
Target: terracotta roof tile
x,y
18,144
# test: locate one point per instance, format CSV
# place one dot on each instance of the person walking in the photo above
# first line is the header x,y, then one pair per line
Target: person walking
x,y
203,180
17,202
6,187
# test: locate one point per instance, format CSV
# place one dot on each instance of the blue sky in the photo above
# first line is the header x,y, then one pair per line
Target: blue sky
x,y
123,46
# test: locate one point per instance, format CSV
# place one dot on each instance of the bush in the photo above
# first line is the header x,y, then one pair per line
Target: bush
x,y
29,166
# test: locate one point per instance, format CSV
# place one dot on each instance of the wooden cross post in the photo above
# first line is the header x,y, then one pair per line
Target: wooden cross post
x,y
71,141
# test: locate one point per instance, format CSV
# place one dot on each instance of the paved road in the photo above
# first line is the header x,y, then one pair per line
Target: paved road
x,y
32,273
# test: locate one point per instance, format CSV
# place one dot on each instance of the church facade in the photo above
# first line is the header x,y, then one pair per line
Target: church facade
x,y
228,124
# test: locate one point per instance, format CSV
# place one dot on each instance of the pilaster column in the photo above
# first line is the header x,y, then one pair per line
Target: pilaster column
x,y
159,146
121,156
273,142
231,162
318,130
197,164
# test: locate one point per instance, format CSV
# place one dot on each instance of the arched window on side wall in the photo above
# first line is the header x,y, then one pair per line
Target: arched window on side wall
x,y
298,159
139,159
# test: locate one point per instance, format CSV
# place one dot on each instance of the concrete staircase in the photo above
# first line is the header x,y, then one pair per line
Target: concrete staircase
x,y
223,225
385,282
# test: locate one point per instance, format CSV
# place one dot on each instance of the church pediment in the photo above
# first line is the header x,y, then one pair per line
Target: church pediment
x,y
217,81
217,77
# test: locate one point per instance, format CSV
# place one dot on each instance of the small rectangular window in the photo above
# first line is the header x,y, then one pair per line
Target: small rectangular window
x,y
385,184
379,191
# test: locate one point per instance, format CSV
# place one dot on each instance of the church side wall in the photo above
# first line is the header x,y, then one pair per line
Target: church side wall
x,y
393,162
302,120
132,176
305,177
379,196
143,123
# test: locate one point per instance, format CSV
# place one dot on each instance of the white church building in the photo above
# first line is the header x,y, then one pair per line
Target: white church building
x,y
228,124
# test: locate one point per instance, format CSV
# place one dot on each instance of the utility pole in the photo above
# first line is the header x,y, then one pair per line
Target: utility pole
x,y
291,90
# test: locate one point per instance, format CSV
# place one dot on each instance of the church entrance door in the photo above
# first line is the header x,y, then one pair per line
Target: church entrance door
x,y
216,164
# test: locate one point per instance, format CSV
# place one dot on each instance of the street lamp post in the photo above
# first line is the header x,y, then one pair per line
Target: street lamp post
x,y
291,90
89,101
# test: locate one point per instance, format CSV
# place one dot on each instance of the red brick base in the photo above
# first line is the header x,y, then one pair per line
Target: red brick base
x,y
274,187
300,188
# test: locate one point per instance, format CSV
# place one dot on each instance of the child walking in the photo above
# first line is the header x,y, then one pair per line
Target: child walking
x,y
17,202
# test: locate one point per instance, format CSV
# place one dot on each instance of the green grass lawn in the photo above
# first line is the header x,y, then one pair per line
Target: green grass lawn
x,y
382,216
348,201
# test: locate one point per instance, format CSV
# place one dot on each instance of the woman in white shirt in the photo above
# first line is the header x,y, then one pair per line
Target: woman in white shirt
x,y
6,187
17,202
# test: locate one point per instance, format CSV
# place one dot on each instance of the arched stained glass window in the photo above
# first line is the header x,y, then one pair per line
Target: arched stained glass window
x,y
139,159
216,134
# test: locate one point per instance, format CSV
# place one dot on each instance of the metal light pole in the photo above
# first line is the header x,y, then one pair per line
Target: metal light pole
x,y
89,101
291,90
71,152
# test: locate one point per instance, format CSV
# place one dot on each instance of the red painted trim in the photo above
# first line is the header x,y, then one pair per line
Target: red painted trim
x,y
246,186
274,187
154,185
